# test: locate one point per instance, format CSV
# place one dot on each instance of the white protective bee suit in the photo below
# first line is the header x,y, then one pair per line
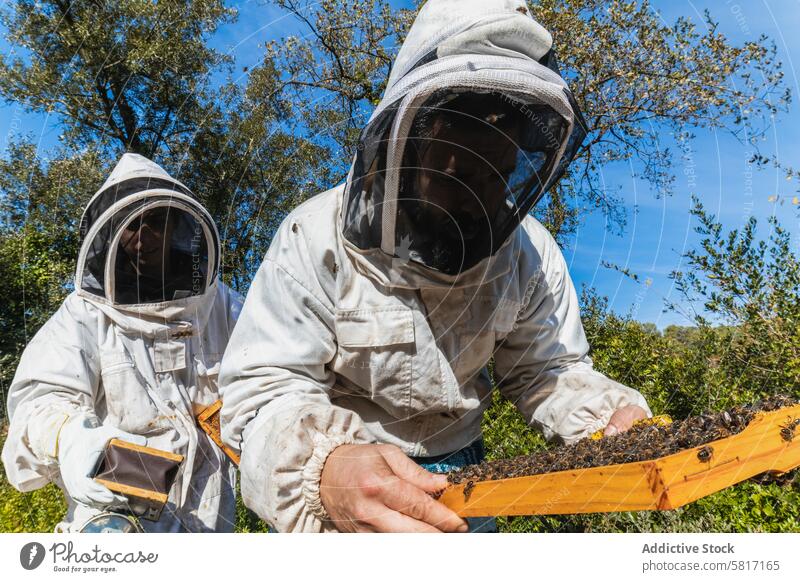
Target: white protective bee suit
x,y
347,336
144,368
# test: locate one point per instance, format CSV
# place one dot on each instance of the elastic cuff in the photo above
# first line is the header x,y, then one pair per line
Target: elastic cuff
x,y
602,422
312,473
83,415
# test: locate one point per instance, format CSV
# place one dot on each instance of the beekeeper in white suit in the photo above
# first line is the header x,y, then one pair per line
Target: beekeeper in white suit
x,y
365,336
132,354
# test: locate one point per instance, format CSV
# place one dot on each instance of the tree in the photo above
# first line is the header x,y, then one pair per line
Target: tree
x,y
139,75
141,82
37,253
680,376
128,75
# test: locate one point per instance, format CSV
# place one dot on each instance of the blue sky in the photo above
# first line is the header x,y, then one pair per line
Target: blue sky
x,y
716,170
658,230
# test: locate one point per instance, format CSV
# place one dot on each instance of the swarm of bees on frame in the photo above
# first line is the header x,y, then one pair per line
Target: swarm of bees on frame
x,y
640,443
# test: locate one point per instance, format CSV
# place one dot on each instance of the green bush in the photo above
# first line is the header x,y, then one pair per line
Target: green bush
x,y
747,507
246,520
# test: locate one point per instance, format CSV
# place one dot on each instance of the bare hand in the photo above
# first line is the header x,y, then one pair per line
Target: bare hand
x,y
377,488
624,418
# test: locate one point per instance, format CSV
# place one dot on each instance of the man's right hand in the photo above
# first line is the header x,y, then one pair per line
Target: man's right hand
x,y
377,488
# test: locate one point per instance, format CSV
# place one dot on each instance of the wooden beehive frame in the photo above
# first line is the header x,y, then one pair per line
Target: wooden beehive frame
x,y
129,491
768,444
208,419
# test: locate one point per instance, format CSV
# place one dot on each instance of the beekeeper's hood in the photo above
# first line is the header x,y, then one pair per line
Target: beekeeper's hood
x,y
475,125
147,245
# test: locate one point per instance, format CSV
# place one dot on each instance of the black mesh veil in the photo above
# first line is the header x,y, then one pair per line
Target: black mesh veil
x,y
362,224
152,250
579,129
473,165
112,194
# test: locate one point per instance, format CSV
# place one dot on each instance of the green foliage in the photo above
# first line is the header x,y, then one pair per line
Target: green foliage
x,y
246,520
37,511
336,71
505,432
749,288
142,82
252,151
637,78
37,252
129,71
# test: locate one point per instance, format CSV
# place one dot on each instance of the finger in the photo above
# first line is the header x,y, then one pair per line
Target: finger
x,y
379,518
415,503
619,422
623,419
409,471
636,412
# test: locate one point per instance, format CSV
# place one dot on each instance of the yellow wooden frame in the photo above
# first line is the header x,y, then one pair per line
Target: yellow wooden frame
x,y
127,490
206,421
146,450
659,484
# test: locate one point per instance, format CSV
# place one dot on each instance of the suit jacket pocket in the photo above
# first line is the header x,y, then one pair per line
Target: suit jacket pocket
x,y
128,402
376,346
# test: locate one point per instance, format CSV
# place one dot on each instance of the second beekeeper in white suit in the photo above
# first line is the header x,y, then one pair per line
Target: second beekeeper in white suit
x,y
133,353
361,355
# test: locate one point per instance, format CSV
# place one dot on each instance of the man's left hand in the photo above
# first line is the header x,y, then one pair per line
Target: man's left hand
x,y
624,418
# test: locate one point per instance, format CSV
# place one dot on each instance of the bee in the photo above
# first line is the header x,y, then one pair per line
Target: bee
x,y
787,430
727,420
468,489
704,454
